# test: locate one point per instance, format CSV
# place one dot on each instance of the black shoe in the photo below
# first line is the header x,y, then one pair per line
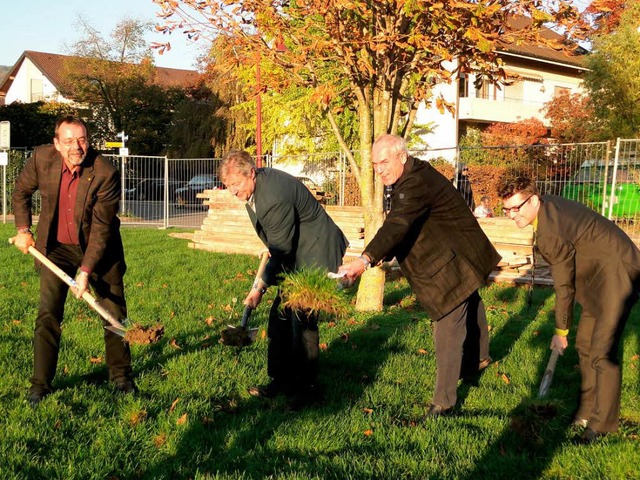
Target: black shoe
x,y
270,390
589,436
438,411
126,386
36,396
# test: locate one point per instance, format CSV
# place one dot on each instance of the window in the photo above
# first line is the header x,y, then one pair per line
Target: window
x,y
36,90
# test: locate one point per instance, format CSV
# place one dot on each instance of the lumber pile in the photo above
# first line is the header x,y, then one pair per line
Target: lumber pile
x,y
227,229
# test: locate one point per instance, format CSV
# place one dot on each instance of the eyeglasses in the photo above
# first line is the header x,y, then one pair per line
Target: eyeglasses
x,y
70,142
517,208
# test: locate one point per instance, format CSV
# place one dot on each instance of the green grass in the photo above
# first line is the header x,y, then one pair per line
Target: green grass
x,y
195,419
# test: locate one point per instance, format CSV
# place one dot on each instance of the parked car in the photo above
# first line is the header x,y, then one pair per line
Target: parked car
x,y
198,184
592,186
152,189
321,195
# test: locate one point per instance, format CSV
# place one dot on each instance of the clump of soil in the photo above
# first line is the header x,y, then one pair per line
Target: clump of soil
x,y
236,337
144,335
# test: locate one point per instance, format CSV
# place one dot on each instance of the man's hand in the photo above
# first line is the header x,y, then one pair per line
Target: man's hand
x,y
559,342
253,298
353,270
82,279
23,241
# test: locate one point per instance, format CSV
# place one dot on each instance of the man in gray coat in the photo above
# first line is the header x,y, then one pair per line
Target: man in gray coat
x,y
595,263
444,254
298,233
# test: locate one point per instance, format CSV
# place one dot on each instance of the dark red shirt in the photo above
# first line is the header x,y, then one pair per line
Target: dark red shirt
x,y
67,229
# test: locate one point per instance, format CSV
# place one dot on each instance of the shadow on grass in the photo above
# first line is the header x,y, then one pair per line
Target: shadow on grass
x,y
244,440
537,427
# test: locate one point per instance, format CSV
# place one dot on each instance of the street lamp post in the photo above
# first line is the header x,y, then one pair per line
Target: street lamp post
x,y
258,116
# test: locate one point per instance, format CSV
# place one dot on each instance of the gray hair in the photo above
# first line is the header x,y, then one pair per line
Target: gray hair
x,y
237,160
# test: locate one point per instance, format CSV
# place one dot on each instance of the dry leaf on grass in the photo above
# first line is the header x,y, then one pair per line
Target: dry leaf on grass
x,y
209,321
173,405
182,419
368,433
95,360
422,351
138,417
368,411
174,344
323,346
159,440
505,378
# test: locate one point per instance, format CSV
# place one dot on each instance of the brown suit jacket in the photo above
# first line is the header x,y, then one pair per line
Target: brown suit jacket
x,y
438,242
591,259
97,205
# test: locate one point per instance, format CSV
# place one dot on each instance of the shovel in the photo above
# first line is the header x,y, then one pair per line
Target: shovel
x,y
547,378
241,336
116,327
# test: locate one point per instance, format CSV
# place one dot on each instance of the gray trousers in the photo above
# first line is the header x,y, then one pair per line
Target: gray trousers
x,y
461,340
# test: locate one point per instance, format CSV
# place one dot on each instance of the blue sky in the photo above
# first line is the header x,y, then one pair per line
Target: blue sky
x,y
50,26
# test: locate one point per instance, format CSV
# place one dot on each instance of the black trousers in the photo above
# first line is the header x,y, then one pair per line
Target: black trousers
x,y
292,357
462,341
53,293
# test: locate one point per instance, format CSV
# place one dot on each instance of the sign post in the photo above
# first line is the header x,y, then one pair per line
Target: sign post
x,y
5,145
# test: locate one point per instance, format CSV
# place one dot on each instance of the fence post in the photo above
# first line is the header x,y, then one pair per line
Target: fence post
x,y
123,182
616,158
165,213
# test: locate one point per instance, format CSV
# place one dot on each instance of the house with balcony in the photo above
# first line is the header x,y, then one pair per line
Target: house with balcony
x,y
38,76
534,74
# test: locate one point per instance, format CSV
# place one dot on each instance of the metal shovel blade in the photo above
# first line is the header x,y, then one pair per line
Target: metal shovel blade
x,y
547,378
118,331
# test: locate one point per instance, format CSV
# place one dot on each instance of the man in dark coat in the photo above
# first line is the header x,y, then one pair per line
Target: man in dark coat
x,y
298,233
596,264
78,230
444,254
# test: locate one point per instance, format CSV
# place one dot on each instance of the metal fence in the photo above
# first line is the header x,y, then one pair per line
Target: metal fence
x,y
161,191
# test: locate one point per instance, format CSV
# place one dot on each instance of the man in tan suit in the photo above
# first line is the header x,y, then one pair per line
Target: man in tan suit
x,y
596,264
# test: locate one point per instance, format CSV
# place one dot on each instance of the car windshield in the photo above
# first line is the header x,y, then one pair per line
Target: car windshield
x,y
202,179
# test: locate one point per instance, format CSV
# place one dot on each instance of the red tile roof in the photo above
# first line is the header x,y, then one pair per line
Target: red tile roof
x,y
52,66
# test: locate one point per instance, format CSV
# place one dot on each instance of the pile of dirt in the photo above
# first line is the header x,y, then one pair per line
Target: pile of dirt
x,y
237,336
144,335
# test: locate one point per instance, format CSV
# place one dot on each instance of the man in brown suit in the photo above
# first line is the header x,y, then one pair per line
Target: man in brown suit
x,y
78,230
444,254
595,263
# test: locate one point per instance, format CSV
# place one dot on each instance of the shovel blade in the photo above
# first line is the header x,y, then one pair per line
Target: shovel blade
x,y
118,331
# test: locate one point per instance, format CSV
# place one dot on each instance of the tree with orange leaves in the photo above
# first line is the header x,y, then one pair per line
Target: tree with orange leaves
x,y
380,58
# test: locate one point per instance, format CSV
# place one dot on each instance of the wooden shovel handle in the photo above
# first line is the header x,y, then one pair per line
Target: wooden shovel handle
x,y
86,296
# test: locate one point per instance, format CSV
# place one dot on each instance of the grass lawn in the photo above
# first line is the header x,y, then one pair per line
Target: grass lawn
x,y
194,418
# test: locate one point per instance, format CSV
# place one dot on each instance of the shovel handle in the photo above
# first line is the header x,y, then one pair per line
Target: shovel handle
x,y
86,296
245,316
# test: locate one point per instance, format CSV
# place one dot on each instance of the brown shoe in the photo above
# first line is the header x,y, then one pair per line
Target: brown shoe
x,y
438,411
485,363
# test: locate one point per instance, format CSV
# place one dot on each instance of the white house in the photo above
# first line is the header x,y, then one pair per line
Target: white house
x,y
534,75
38,76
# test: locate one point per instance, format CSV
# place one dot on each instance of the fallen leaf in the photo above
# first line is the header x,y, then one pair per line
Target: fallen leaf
x,y
263,334
65,370
489,327
422,351
173,405
353,321
135,418
160,440
368,411
17,322
331,324
368,433
174,344
536,333
182,419
211,305
635,357
140,284
95,359
505,378
57,425
323,346
209,320
227,308
172,314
